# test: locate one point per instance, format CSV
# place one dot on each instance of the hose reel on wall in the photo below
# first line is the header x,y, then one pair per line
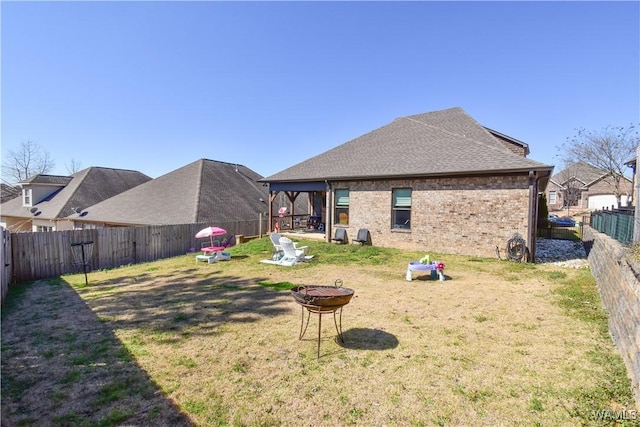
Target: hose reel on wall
x,y
517,248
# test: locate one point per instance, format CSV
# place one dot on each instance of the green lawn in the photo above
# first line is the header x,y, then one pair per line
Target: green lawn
x,y
175,342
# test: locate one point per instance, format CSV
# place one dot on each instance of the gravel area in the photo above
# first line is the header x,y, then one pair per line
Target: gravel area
x,y
563,253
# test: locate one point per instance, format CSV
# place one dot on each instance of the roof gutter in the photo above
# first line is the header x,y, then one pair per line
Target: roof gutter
x,y
408,176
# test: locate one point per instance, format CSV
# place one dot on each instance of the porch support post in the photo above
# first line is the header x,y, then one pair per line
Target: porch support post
x,y
292,196
327,227
272,196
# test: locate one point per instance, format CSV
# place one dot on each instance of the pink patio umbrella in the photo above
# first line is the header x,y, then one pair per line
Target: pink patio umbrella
x,y
210,232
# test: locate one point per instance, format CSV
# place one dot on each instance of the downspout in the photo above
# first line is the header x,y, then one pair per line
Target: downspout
x,y
533,214
271,197
327,226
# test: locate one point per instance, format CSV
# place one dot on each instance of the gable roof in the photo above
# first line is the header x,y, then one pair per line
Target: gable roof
x,y
510,140
582,172
447,142
202,191
84,188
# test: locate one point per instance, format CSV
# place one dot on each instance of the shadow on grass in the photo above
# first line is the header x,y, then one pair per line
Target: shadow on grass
x,y
186,303
368,339
62,366
428,278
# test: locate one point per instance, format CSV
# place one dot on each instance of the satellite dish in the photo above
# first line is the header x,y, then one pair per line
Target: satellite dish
x,y
33,210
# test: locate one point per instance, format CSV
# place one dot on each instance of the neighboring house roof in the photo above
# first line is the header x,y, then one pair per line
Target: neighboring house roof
x,y
82,189
441,143
9,192
47,179
202,191
584,173
632,162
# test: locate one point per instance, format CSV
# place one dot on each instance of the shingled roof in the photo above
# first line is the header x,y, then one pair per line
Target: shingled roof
x,y
47,179
582,172
447,142
202,191
84,188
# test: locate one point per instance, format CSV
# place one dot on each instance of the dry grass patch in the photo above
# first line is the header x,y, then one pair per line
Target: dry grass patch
x,y
218,344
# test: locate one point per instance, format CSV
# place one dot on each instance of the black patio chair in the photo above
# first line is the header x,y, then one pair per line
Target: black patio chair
x,y
340,236
363,237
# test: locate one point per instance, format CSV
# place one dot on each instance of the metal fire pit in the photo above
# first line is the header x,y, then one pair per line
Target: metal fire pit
x,y
322,300
322,296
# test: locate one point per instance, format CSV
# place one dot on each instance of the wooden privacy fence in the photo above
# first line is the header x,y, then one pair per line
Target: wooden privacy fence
x,y
5,267
43,255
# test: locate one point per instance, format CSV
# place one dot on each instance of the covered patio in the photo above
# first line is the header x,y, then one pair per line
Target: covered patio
x,y
294,215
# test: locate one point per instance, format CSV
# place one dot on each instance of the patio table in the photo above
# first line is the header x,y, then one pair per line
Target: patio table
x,y
432,266
213,254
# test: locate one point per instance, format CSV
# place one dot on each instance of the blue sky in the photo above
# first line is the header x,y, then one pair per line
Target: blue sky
x,y
153,86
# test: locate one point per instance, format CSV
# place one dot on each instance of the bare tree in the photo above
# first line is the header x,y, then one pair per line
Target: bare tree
x,y
608,149
28,160
73,167
571,187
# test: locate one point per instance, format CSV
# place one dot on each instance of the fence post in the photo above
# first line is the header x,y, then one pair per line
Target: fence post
x,y
6,266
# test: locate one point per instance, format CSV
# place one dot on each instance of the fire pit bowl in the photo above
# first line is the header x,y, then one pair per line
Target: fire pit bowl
x,y
322,296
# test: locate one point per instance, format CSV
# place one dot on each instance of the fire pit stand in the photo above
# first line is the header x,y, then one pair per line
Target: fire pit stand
x,y
320,310
322,300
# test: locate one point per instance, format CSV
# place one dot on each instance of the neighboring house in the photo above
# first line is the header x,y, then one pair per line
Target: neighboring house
x,y
583,186
202,191
47,201
433,182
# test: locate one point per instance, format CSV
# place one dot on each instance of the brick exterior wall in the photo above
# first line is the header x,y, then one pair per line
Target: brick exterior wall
x,y
469,216
620,293
559,197
514,148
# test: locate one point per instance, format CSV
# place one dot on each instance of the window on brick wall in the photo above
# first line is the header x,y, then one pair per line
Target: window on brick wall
x,y
342,206
401,209
552,197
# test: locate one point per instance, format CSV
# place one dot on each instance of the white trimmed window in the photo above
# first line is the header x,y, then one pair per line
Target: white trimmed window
x,y
552,197
401,210
26,197
342,206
